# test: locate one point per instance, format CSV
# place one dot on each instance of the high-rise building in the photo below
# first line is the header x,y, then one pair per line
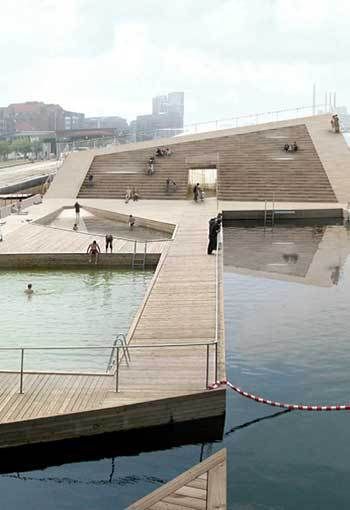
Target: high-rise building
x,y
166,119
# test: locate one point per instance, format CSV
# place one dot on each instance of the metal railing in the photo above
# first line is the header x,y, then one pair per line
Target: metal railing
x,y
119,347
207,346
198,127
7,210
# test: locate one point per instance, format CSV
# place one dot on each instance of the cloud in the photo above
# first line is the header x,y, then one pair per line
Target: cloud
x,y
230,56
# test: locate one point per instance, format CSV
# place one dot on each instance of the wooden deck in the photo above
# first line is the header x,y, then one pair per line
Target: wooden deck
x,y
34,238
203,487
161,384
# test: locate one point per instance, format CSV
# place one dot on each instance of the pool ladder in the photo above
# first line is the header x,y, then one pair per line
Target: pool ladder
x,y
269,215
138,260
119,342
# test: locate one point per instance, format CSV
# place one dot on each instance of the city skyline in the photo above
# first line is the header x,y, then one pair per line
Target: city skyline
x,y
165,119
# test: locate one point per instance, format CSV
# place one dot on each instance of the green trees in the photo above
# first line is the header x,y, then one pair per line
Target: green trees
x,y
20,146
5,149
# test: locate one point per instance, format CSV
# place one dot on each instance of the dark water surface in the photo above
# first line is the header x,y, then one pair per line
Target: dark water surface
x,y
285,340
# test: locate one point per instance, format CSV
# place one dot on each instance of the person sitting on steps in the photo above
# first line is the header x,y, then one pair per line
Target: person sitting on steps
x,y
170,185
127,194
135,195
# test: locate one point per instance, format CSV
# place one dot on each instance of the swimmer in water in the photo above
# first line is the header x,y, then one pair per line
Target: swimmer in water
x,y
29,290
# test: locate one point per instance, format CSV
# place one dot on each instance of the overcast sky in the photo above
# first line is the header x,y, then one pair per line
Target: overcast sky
x,y
230,57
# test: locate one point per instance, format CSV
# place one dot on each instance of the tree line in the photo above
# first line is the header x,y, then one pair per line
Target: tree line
x,y
20,146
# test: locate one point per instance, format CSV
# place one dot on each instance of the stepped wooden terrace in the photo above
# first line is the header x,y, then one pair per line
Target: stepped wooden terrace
x,y
172,352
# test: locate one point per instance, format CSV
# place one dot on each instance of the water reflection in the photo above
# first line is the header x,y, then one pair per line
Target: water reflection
x,y
312,254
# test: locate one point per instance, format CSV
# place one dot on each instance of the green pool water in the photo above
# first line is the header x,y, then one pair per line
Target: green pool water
x,y
68,308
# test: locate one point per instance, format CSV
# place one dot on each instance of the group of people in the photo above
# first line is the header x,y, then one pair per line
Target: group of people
x,y
163,151
335,123
94,249
290,147
198,193
214,229
160,152
131,194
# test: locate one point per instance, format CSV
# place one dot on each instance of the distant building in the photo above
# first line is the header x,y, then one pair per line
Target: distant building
x,y
166,119
37,116
73,120
114,122
7,124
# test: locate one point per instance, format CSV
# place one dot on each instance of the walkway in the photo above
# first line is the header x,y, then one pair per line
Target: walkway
x,y
179,309
203,487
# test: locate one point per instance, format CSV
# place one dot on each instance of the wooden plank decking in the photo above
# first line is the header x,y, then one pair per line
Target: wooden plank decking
x,y
203,487
178,309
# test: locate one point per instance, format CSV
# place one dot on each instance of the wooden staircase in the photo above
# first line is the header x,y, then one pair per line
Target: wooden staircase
x,y
250,166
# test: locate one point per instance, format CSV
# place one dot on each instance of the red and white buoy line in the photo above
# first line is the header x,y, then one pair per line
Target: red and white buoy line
x,y
297,407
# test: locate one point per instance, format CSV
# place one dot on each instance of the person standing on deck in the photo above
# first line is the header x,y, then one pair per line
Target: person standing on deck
x,y
195,192
214,229
109,241
131,222
77,212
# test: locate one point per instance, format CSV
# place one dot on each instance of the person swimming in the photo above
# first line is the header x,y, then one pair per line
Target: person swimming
x,y
29,290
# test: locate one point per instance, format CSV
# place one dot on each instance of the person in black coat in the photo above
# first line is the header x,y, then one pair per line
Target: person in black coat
x,y
214,229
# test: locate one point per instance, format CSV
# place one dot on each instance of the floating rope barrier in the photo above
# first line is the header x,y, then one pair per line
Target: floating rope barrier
x,y
291,407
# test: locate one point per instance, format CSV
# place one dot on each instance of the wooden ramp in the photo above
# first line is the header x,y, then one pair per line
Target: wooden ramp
x,y
203,487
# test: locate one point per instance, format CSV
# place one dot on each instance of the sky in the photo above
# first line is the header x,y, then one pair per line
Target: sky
x,y
230,57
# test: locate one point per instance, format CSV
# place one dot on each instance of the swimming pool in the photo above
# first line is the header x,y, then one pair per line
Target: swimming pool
x,y
68,308
100,225
286,339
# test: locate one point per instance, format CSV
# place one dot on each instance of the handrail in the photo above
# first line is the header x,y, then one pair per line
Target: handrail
x,y
210,125
6,210
94,347
115,348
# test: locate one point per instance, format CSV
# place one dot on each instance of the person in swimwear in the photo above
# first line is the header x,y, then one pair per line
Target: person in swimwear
x,y
94,250
109,242
29,290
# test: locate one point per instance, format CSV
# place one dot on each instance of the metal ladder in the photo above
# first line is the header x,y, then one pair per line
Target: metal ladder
x,y
138,260
269,215
119,342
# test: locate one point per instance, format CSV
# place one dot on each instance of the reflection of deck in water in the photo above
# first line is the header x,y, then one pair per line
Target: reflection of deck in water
x,y
309,254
